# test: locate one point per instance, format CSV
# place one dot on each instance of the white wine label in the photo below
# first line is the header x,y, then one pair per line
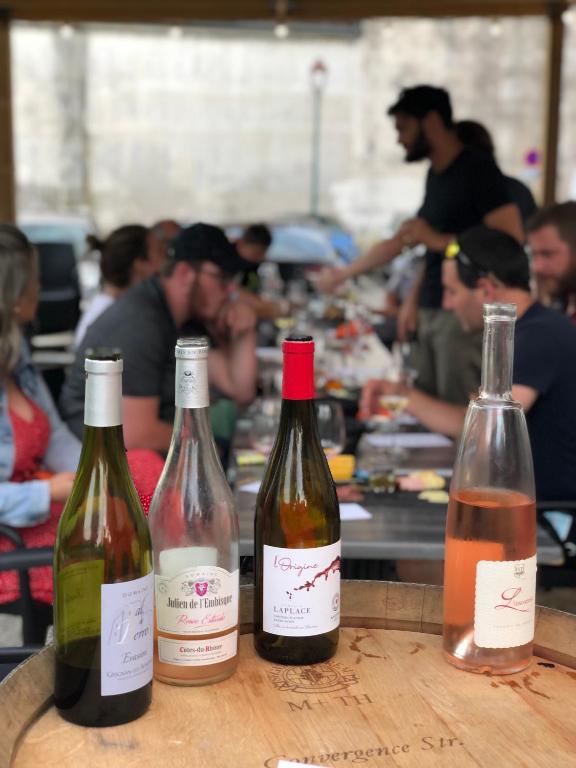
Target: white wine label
x,y
505,603
192,383
78,590
197,653
127,635
197,600
301,590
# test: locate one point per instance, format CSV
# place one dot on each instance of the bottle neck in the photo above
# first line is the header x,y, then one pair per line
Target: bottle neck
x,y
103,416
497,359
193,425
191,384
299,415
192,416
298,377
103,400
104,442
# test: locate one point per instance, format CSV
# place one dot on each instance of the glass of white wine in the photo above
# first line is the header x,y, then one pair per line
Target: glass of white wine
x,y
331,426
395,407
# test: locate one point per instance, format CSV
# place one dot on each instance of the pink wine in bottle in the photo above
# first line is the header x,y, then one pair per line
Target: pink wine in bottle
x,y
490,557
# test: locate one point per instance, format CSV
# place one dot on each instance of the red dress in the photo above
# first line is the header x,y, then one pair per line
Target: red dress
x,y
31,440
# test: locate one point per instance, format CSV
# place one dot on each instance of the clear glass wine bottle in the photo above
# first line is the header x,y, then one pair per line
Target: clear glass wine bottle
x,y
194,529
490,558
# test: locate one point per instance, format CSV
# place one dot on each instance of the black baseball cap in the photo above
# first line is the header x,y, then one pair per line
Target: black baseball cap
x,y
482,251
205,242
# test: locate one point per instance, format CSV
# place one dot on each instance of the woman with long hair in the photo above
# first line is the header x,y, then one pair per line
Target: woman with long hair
x,y
38,454
33,439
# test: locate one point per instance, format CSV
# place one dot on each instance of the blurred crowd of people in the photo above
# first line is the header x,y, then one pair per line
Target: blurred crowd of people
x,y
482,239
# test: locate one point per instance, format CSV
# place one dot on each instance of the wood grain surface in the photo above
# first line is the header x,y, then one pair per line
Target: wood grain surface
x,y
387,699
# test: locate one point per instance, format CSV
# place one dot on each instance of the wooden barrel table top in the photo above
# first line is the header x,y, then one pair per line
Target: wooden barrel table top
x,y
387,698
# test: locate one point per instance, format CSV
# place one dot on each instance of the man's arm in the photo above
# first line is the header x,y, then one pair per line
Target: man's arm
x,y
142,426
438,416
376,256
232,368
506,219
526,396
232,364
407,321
264,308
434,414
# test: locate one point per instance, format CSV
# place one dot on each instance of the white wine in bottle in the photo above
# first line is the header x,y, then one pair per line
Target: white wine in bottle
x,y
194,530
103,579
297,529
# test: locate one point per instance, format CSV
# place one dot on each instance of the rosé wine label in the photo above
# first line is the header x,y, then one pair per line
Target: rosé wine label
x,y
197,653
198,600
505,603
301,590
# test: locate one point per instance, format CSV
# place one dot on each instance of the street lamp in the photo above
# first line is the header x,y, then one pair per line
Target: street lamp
x,y
318,78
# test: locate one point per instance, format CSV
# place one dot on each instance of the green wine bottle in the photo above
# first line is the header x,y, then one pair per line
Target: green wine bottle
x,y
103,571
297,529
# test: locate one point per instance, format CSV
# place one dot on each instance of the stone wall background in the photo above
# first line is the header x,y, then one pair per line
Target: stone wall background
x,y
134,124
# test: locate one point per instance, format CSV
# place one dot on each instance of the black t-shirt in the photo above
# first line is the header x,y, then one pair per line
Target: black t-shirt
x,y
455,200
140,324
545,360
520,194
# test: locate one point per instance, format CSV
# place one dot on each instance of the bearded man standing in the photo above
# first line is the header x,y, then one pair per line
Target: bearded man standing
x,y
464,188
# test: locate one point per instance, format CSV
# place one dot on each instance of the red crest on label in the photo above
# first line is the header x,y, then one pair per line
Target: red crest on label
x,y
201,588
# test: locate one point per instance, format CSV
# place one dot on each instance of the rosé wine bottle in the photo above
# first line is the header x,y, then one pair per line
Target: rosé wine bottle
x,y
490,558
194,528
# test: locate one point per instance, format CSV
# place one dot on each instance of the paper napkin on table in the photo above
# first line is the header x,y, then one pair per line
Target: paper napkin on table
x,y
251,487
408,440
352,511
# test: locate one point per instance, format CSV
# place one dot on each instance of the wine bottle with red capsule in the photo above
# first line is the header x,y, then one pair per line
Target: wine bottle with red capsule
x,y
297,529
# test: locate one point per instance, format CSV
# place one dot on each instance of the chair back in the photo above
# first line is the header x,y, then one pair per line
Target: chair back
x,y
59,308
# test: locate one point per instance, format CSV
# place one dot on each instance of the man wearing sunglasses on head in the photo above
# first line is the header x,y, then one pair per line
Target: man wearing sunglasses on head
x,y
483,266
191,296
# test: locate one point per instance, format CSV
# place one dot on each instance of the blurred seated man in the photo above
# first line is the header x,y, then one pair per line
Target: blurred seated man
x,y
192,292
488,266
252,247
129,255
552,243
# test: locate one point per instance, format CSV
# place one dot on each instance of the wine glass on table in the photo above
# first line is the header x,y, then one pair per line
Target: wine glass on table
x,y
331,426
265,419
387,422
